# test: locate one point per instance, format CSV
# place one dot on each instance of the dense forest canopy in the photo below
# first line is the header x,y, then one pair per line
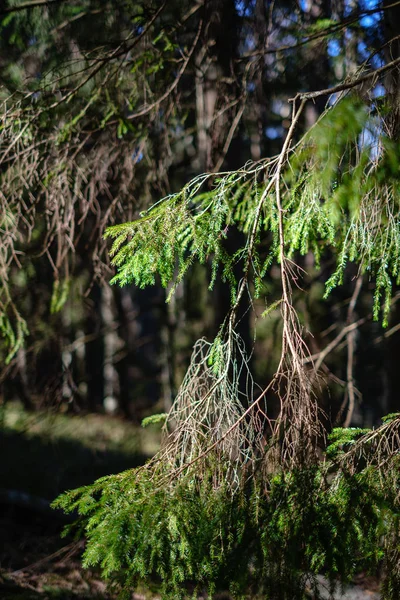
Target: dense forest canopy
x,y
244,159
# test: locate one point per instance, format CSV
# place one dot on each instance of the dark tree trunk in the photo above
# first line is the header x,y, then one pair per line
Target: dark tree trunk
x,y
94,351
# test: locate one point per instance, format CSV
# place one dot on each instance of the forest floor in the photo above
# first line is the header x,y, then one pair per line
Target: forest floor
x,y
43,454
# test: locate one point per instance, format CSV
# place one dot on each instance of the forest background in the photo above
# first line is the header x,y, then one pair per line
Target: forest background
x,y
107,107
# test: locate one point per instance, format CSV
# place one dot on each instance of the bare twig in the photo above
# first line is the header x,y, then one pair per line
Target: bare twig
x,y
341,87
330,30
350,353
29,6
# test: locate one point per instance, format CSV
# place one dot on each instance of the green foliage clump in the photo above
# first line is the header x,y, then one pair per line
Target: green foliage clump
x,y
272,535
339,194
14,331
154,419
188,226
60,294
345,197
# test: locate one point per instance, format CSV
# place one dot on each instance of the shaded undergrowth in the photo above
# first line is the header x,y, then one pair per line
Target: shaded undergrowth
x,y
43,455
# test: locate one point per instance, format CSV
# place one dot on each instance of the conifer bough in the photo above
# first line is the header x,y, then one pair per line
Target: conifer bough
x,y
237,499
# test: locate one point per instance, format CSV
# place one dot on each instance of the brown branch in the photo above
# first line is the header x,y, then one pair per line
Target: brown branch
x,y
350,340
120,50
273,182
387,333
79,16
341,87
256,402
332,29
230,135
29,5
73,546
350,353
349,374
319,357
286,295
146,110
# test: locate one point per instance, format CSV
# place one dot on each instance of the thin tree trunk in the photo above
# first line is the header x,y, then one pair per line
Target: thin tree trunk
x,y
94,351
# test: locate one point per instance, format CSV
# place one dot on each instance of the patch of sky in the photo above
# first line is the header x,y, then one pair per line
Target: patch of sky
x,y
369,139
368,21
245,8
333,98
349,6
273,133
369,4
373,19
250,43
334,48
375,60
378,91
281,108
137,156
363,50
